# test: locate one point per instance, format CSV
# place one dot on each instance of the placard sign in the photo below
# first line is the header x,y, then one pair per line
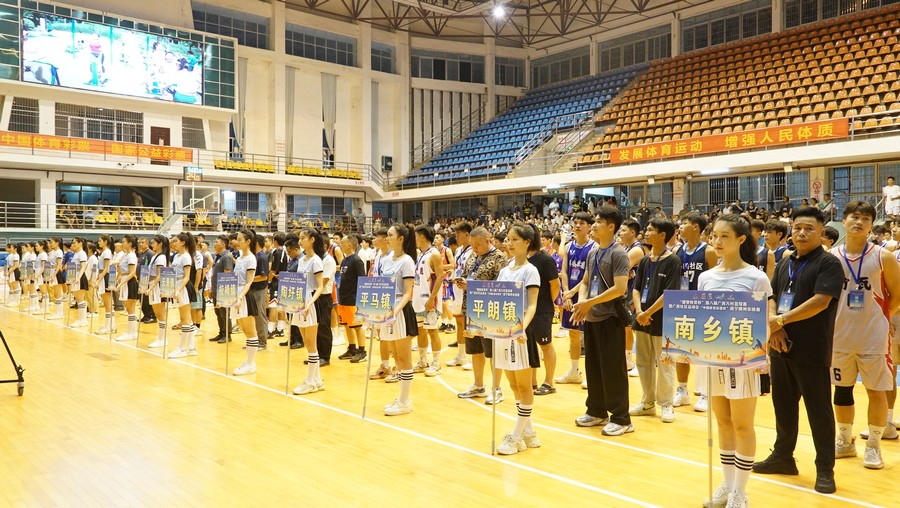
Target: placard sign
x,y
716,328
71,272
496,309
291,289
375,299
226,289
167,282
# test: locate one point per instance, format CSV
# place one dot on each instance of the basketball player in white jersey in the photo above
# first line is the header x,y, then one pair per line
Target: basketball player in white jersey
x,y
426,299
463,253
870,296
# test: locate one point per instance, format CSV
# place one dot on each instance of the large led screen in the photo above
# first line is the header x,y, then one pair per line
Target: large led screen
x,y
67,52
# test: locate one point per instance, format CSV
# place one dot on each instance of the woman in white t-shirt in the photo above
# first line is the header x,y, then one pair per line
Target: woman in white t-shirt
x,y
41,272
79,284
734,391
104,285
244,309
183,263
520,356
160,246
127,285
310,265
13,260
29,263
57,276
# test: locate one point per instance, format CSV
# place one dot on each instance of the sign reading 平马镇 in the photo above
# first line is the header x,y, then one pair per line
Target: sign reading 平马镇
x,y
496,309
291,286
375,299
716,328
226,289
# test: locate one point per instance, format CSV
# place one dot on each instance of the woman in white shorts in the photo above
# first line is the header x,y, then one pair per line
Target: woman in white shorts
x,y
160,246
42,272
183,263
734,391
13,275
127,285
29,262
245,309
310,264
57,276
104,285
79,284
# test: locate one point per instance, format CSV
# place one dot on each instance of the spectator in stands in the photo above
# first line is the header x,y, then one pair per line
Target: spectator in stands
x,y
137,200
827,207
786,209
361,221
643,215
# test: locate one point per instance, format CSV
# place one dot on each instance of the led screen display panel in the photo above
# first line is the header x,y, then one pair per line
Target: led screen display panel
x,y
72,53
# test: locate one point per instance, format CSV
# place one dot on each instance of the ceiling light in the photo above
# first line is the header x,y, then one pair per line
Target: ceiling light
x,y
498,12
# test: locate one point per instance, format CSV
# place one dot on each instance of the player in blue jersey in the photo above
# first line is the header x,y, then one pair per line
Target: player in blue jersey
x,y
776,236
696,257
574,261
765,258
628,238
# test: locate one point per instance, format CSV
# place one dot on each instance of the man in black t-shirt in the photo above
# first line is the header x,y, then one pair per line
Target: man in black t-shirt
x,y
352,268
278,260
659,271
542,323
258,291
786,208
643,215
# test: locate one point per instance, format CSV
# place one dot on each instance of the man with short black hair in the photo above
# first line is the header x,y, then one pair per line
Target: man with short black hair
x,y
224,262
144,260
807,286
775,235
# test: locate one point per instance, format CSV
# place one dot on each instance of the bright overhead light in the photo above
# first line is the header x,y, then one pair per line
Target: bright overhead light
x,y
714,171
499,12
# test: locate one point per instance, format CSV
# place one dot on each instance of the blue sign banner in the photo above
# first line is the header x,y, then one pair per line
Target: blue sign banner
x,y
48,273
716,328
112,276
143,279
29,269
375,299
167,282
226,289
496,309
71,272
291,289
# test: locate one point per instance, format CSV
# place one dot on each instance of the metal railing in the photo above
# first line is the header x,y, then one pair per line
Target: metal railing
x,y
448,137
560,123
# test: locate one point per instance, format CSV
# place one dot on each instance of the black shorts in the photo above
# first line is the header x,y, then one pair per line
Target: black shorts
x,y
479,345
252,309
133,293
60,277
534,355
541,329
83,282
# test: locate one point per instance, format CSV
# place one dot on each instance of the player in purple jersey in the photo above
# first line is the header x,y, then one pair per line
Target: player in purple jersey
x,y
574,261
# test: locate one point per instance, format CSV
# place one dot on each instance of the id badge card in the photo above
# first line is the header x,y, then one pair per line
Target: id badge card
x,y
644,294
685,283
595,286
785,302
855,299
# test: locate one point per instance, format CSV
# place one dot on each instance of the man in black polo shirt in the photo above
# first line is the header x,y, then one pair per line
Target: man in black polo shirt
x,y
146,256
807,286
224,263
278,263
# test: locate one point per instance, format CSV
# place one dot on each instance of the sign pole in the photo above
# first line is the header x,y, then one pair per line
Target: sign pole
x,y
227,335
287,375
709,436
494,405
368,367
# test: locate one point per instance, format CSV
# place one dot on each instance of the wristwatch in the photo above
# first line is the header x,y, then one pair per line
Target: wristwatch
x,y
780,321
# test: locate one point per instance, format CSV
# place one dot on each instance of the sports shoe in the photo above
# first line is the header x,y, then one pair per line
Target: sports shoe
x,y
105,331
495,397
55,316
737,499
451,329
572,376
531,440
420,367
177,353
561,333
682,397
776,464
358,357
193,352
587,420
702,404
890,432
339,340
320,385
843,450
455,361
81,323
633,372
433,370
544,389
381,373
306,387
640,410
668,414
512,445
397,408
244,369
126,337
614,429
584,385
472,392
443,327
393,376
156,343
719,497
347,355
467,366
872,458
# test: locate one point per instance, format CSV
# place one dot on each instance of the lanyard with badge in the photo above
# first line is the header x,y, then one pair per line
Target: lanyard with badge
x,y
856,297
787,298
645,293
595,277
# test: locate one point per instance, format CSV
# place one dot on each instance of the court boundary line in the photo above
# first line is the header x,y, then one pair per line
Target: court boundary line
x,y
432,439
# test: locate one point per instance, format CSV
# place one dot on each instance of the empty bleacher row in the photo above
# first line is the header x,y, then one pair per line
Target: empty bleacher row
x,y
491,149
832,69
262,167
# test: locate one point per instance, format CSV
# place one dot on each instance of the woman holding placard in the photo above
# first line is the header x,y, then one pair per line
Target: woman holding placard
x,y
29,260
79,284
41,282
310,264
160,246
104,244
734,391
518,357
127,285
57,276
185,292
244,310
13,275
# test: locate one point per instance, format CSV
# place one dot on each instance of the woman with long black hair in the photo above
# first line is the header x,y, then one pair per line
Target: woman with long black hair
x,y
79,284
127,285
185,292
310,264
104,285
160,246
246,308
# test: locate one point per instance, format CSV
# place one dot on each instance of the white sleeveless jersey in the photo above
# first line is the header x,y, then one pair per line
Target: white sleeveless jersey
x,y
865,330
424,280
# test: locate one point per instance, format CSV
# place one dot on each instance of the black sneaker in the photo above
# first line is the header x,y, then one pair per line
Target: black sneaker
x,y
451,328
148,320
358,357
825,482
453,344
217,338
776,464
348,354
296,345
443,327
279,333
223,340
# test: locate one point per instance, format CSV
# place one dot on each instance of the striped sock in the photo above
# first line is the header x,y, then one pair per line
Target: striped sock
x,y
82,311
312,369
524,416
185,335
110,323
728,467
406,379
132,325
743,465
161,334
252,348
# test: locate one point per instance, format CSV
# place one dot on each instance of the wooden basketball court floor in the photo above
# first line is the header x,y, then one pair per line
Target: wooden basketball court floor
x,y
103,423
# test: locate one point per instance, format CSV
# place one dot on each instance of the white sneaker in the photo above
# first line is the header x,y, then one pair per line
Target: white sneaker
x,y
157,343
105,331
719,497
396,408
561,333
668,414
737,499
872,458
55,316
572,376
340,340
433,370
614,429
494,398
455,361
890,432
306,387
843,450
467,366
702,404
177,353
81,323
633,372
640,410
244,369
320,385
512,445
420,366
531,440
682,397
128,336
